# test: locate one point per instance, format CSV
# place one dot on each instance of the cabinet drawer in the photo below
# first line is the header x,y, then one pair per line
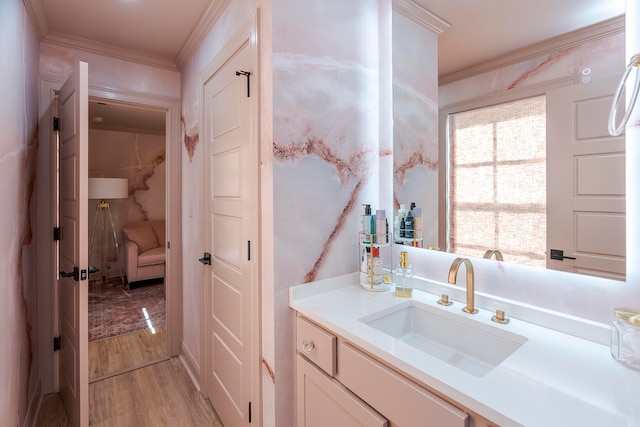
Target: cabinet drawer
x,y
323,401
400,400
316,344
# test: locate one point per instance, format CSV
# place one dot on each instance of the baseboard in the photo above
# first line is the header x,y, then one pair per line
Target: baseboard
x,y
190,364
35,403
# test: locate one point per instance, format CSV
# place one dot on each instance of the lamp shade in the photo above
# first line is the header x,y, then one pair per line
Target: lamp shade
x,y
108,188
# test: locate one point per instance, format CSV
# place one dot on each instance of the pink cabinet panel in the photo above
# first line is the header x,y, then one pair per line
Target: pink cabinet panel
x,y
322,401
400,400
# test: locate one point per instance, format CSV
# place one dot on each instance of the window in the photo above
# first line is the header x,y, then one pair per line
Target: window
x,y
497,181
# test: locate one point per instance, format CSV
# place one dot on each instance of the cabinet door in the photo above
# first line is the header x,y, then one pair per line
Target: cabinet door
x,y
401,400
322,401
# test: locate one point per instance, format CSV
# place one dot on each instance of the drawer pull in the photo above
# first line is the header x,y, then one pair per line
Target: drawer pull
x,y
307,346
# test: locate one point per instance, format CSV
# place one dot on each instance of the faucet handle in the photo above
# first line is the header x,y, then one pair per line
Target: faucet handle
x,y
444,300
500,317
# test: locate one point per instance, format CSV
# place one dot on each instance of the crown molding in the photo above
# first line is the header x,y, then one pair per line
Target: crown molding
x,y
420,15
38,17
565,41
201,30
91,46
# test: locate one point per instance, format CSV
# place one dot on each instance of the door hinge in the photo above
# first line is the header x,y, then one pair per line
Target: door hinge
x,y
56,124
56,343
168,245
249,411
56,234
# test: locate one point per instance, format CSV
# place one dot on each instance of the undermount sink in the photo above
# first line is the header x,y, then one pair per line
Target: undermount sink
x,y
469,345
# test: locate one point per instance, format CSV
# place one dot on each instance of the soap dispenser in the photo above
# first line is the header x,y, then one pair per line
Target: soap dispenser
x,y
403,277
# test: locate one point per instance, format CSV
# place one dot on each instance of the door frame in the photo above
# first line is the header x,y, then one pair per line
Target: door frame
x,y
46,201
249,32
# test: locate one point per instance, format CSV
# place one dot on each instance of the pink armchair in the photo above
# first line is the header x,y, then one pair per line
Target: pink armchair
x,y
144,245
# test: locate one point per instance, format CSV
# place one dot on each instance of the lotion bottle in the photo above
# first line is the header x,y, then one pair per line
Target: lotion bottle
x,y
381,227
367,224
403,277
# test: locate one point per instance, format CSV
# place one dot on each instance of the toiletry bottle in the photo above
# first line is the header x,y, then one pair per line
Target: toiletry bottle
x,y
396,227
408,225
377,268
403,277
402,225
367,224
402,212
417,225
381,227
365,258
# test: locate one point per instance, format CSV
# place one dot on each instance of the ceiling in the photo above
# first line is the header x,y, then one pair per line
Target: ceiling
x,y
165,32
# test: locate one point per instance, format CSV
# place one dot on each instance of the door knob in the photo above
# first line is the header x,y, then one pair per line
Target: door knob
x,y
558,255
75,274
206,260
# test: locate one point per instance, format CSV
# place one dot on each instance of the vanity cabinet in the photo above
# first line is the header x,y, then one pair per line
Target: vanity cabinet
x,y
338,384
321,400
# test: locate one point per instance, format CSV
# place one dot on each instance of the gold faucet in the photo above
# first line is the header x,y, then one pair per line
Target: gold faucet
x,y
453,273
488,254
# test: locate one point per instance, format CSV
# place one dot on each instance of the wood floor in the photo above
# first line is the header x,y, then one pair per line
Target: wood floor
x,y
157,395
134,383
126,352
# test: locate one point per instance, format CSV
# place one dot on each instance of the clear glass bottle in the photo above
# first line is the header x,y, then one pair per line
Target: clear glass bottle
x,y
625,336
403,277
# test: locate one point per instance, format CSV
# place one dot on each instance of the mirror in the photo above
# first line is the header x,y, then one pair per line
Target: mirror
x,y
420,107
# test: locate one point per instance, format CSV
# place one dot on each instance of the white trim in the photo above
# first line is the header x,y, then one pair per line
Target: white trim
x,y
201,30
575,38
38,17
191,366
420,15
104,49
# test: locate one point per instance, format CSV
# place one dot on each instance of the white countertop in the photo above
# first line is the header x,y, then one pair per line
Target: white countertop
x,y
553,379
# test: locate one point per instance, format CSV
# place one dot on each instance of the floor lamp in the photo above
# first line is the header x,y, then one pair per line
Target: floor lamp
x,y
104,189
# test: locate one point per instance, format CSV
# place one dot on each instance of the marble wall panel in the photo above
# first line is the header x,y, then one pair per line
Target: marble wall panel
x,y
19,370
415,120
140,158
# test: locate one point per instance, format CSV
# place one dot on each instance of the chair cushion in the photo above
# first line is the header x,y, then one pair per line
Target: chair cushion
x,y
143,236
151,257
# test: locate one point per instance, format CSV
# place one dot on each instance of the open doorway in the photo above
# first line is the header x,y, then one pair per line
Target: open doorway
x,y
127,223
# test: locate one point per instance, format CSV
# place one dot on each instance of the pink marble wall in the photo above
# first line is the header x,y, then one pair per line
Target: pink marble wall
x,y
19,371
330,146
140,158
415,121
331,142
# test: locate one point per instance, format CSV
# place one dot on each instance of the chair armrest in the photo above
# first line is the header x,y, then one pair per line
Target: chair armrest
x,y
131,260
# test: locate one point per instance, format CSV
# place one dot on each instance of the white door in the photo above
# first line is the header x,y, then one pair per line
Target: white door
x,y
585,183
72,288
230,233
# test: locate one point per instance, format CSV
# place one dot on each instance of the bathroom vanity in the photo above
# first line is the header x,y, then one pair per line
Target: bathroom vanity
x,y
374,359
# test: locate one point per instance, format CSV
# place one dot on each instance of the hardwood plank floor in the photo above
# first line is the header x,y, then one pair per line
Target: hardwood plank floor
x,y
126,352
157,395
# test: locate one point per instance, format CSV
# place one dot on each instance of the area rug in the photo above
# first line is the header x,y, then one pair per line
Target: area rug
x,y
116,310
